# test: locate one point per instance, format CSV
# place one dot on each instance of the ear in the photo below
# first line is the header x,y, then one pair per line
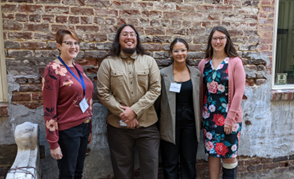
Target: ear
x,y
58,45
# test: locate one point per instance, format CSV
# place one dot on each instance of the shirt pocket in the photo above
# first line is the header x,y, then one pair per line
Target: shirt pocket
x,y
143,77
117,78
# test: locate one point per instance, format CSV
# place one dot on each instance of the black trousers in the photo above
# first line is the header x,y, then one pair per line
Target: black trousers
x,y
121,145
73,143
185,150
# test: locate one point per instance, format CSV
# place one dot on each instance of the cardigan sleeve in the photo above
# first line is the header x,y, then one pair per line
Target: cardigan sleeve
x,y
239,88
50,91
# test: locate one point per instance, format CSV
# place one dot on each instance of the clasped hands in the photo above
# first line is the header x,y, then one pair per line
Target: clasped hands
x,y
129,117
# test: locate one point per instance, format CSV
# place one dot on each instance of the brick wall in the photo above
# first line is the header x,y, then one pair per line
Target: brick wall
x,y
29,27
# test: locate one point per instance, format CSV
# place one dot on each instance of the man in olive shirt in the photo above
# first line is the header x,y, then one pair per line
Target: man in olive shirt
x,y
128,85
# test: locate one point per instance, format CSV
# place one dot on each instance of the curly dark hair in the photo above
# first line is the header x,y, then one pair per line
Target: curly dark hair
x,y
115,48
229,48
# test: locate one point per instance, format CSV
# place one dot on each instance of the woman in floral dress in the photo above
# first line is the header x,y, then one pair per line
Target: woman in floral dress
x,y
67,101
223,86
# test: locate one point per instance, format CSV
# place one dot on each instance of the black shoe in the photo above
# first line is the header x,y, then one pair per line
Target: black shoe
x,y
230,173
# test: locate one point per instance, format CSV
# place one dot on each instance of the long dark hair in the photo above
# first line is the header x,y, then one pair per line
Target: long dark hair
x,y
115,48
229,48
176,40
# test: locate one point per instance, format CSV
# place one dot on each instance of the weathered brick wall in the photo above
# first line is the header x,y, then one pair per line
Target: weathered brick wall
x,y
29,27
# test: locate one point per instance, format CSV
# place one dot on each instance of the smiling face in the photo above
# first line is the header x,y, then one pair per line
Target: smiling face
x,y
128,40
68,51
179,52
218,41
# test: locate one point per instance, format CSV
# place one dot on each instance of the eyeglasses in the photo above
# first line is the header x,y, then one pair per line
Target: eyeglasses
x,y
218,38
132,34
70,43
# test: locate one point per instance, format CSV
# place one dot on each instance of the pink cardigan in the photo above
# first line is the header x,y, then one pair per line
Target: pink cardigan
x,y
236,89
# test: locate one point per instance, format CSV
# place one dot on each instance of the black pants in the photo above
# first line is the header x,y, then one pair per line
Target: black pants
x,y
121,145
185,150
73,143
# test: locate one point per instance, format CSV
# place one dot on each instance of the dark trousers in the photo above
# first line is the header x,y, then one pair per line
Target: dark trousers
x,y
121,145
185,150
73,143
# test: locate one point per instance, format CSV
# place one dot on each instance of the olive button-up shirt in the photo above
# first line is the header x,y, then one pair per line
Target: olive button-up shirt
x,y
132,81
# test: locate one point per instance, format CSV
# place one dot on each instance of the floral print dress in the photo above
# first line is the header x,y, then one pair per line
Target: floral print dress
x,y
217,142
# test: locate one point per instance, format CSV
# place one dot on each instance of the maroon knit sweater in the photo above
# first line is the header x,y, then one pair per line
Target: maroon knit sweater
x,y
62,94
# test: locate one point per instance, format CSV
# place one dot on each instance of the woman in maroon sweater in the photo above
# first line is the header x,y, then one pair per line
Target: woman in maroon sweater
x,y
223,86
67,101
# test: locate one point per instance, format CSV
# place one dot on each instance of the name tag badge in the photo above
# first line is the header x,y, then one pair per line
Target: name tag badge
x,y
175,87
84,105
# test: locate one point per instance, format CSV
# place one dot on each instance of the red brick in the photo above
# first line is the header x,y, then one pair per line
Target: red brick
x,y
262,15
172,15
87,62
8,8
121,21
55,28
214,16
193,47
205,7
176,24
266,40
235,33
33,45
73,20
21,17
37,96
21,97
99,3
155,31
48,1
129,13
95,37
56,9
46,36
233,2
48,18
74,2
251,168
260,81
184,8
250,82
268,9
81,11
268,34
95,53
280,170
11,25
61,19
278,159
121,5
263,47
134,22
30,105
86,20
165,6
30,8
87,28
199,31
7,16
20,35
162,39
37,27
3,110
98,20
11,44
20,53
35,18
30,88
152,47
152,14
224,8
105,12
187,24
143,5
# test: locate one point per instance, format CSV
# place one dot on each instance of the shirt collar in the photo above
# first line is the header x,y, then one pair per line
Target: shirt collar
x,y
124,56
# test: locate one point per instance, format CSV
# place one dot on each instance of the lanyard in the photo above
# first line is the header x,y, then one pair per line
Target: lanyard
x,y
81,77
